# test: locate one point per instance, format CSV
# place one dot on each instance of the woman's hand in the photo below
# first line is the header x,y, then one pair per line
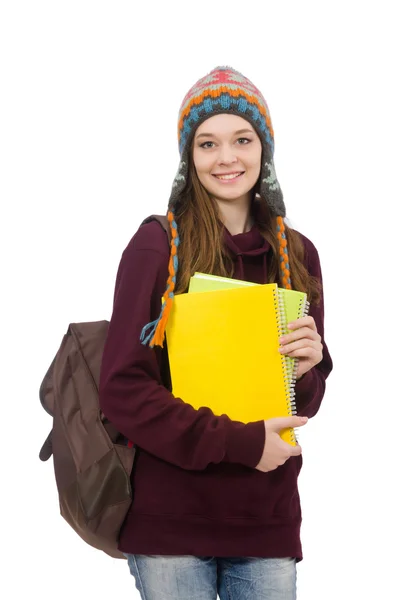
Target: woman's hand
x,y
276,452
304,343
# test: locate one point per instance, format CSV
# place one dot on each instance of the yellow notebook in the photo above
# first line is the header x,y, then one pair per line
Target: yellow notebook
x,y
223,352
295,305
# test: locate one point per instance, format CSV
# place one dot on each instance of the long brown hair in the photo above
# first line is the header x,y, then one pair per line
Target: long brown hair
x,y
202,248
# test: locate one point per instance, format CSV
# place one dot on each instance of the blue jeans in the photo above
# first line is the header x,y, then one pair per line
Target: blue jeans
x,y
202,578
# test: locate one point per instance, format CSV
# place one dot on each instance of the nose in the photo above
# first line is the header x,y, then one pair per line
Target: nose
x,y
227,155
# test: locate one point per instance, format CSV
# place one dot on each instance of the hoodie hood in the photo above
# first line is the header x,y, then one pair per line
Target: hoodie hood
x,y
249,252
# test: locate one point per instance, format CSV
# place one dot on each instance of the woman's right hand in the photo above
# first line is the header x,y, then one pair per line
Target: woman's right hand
x,y
276,452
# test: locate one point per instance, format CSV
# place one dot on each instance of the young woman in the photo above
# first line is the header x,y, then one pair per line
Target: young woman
x,y
216,506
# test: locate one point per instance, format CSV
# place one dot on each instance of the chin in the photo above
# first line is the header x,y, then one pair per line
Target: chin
x,y
229,197
229,194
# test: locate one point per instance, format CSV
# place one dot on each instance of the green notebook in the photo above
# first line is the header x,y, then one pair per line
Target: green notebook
x,y
295,304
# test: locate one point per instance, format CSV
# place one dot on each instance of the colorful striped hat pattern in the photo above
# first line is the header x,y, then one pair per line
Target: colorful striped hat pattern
x,y
223,90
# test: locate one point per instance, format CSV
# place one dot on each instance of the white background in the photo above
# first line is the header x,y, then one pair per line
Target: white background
x,y
90,93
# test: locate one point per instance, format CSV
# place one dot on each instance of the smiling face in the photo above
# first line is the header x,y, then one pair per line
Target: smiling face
x,y
227,155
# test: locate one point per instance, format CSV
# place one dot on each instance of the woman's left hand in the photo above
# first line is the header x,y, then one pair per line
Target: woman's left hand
x,y
304,343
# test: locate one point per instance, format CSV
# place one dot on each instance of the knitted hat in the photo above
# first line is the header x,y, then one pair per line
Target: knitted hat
x,y
222,91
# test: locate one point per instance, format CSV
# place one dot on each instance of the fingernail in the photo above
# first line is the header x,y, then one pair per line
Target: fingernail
x,y
282,340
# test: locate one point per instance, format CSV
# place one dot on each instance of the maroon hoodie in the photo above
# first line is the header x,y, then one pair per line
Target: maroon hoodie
x,y
196,490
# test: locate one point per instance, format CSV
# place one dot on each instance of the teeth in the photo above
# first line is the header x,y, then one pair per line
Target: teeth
x,y
231,176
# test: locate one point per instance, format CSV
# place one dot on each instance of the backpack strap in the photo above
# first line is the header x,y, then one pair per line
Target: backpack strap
x,y
46,449
162,219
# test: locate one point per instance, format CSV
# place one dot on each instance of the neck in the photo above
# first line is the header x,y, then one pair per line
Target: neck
x,y
236,215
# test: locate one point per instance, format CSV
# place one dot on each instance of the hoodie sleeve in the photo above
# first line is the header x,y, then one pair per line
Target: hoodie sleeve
x,y
311,387
131,393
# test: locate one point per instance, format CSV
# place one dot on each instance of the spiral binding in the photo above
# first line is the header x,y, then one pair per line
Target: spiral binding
x,y
287,374
304,307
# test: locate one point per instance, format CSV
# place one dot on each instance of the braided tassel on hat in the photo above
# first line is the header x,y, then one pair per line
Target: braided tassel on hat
x,y
284,264
156,329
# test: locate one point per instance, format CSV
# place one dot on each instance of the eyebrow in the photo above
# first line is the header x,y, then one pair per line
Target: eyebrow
x,y
235,133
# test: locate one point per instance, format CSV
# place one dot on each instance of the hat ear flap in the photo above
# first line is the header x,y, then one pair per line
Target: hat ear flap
x,y
180,180
270,188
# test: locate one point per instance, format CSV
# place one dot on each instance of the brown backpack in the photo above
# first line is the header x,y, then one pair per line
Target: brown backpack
x,y
92,460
